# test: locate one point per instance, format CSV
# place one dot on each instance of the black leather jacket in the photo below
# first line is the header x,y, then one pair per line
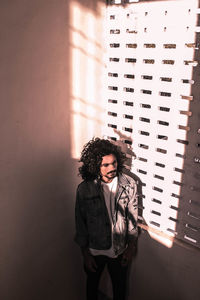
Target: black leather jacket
x,y
93,228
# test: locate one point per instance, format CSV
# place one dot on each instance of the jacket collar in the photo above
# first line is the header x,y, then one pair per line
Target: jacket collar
x,y
123,180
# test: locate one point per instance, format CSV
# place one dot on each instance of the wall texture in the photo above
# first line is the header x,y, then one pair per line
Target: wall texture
x,y
38,259
164,273
158,272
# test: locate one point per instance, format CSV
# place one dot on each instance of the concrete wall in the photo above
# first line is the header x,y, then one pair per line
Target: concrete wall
x,y
164,273
38,177
158,272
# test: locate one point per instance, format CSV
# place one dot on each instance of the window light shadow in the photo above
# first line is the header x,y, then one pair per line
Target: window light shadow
x,y
152,83
144,97
87,52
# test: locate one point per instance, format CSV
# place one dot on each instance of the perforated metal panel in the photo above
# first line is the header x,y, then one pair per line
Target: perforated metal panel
x,y
153,107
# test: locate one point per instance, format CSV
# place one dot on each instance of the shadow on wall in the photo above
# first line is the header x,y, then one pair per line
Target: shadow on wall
x,y
44,259
177,265
189,206
39,259
87,66
172,210
128,149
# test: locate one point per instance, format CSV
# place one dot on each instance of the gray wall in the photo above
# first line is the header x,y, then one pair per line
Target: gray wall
x,y
164,273
158,272
38,258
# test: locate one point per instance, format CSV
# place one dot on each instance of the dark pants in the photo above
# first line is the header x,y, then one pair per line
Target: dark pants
x,y
117,273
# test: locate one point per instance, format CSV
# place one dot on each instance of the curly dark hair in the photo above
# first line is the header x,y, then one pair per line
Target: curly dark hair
x,y
92,154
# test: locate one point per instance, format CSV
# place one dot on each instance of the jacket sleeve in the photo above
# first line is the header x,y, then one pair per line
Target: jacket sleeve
x,y
81,235
132,213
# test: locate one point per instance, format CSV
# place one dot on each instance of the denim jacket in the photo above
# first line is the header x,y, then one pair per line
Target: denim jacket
x,y
93,228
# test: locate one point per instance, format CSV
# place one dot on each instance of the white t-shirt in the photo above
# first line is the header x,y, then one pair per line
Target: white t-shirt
x,y
109,190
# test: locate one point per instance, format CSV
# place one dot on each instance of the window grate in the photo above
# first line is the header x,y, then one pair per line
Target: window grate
x,y
152,107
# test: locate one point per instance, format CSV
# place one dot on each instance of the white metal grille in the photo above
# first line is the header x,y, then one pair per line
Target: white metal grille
x,y
151,60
